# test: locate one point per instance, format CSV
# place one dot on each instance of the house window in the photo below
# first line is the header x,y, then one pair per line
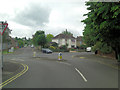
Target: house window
x,y
72,46
80,42
73,40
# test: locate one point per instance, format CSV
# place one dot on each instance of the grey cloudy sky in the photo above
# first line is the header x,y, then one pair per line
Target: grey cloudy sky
x,y
25,17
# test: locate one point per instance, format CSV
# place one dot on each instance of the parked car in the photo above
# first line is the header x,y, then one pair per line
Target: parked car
x,y
46,50
88,49
32,46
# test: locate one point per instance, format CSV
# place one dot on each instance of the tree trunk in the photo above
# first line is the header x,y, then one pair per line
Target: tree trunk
x,y
117,54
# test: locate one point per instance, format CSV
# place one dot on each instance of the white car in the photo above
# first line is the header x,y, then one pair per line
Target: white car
x,y
32,46
88,49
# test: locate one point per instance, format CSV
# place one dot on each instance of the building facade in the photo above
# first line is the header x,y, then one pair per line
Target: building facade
x,y
79,40
64,39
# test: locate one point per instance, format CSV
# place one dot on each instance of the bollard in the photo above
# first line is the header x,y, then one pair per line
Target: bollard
x,y
34,54
60,56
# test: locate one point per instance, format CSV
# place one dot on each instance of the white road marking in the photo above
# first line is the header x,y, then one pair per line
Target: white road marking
x,y
17,59
13,59
20,59
81,74
64,63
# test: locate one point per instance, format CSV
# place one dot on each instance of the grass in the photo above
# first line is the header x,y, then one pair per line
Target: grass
x,y
6,52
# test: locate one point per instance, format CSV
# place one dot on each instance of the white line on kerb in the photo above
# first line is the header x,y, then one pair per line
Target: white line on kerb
x,y
81,74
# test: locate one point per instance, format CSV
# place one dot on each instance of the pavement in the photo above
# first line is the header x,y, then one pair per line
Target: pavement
x,y
10,69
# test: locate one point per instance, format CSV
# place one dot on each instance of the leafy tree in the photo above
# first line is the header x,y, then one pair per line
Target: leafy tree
x,y
103,24
49,37
20,41
66,32
39,39
6,35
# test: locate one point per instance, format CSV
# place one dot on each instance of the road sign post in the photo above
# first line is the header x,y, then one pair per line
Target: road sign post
x,y
3,27
1,56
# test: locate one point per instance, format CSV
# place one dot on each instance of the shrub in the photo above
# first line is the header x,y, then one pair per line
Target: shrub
x,y
102,47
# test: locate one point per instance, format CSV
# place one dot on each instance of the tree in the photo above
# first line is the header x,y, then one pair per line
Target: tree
x,y
39,38
66,32
49,38
103,24
6,35
20,41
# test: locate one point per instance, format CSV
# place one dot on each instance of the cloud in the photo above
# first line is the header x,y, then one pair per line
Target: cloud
x,y
33,15
25,17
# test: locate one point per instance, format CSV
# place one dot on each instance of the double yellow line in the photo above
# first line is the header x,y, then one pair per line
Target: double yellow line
x,y
16,76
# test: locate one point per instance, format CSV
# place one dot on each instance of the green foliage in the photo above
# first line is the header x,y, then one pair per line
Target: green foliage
x,y
20,43
49,37
102,47
39,39
82,46
66,32
103,25
54,44
63,48
72,49
6,52
53,48
23,41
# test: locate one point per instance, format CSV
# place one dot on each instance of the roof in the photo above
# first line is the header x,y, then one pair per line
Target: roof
x,y
79,38
65,36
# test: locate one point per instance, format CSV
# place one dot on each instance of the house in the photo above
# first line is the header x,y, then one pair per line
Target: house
x,y
65,39
7,40
14,42
79,41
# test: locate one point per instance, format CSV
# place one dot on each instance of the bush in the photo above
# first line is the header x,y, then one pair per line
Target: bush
x,y
72,49
52,47
82,47
102,47
64,47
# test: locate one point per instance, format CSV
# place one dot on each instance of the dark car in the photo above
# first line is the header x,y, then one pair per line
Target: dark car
x,y
46,51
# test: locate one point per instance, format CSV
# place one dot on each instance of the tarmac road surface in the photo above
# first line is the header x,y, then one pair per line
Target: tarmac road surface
x,y
77,70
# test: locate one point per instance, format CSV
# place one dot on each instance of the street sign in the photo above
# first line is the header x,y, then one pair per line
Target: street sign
x,y
3,27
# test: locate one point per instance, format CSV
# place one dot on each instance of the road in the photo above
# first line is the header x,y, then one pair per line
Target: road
x,y
77,70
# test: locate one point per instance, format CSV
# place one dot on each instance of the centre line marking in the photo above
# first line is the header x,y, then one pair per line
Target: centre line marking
x,y
81,74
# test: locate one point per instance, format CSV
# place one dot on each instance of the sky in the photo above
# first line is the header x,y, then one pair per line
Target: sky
x,y
25,17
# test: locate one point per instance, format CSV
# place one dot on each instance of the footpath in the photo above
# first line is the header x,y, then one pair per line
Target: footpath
x,y
10,69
